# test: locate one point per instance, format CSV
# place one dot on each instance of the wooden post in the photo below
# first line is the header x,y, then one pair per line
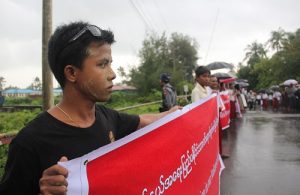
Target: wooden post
x,y
47,78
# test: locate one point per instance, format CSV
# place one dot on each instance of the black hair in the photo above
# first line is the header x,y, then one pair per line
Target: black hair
x,y
61,52
200,70
165,77
237,86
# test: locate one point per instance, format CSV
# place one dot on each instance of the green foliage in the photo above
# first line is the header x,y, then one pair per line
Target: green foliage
x,y
33,101
126,99
14,121
3,158
255,53
18,101
144,109
176,56
262,72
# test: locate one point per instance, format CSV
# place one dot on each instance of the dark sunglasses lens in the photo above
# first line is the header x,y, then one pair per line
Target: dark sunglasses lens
x,y
94,30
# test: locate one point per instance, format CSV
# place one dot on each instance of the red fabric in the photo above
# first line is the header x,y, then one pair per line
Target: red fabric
x,y
138,166
232,110
225,114
265,104
275,103
229,80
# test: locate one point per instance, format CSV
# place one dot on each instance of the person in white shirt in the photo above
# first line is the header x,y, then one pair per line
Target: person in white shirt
x,y
276,100
202,81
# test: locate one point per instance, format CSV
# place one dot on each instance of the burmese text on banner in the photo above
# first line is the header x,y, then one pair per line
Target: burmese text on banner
x,y
179,154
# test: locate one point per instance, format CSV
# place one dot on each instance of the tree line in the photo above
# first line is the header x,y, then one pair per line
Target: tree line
x,y
283,61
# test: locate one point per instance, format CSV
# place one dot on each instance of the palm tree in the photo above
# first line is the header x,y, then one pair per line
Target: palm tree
x,y
278,39
254,53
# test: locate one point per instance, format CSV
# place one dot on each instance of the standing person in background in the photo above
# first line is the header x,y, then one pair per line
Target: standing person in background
x,y
232,96
169,97
290,90
239,102
80,58
214,84
265,99
215,88
259,100
270,99
251,100
276,100
202,81
1,99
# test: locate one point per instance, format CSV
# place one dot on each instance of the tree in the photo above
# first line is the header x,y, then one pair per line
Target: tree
x,y
36,84
2,81
254,53
278,39
262,72
176,56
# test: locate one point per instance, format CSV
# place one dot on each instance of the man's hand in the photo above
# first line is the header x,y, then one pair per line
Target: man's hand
x,y
53,180
173,109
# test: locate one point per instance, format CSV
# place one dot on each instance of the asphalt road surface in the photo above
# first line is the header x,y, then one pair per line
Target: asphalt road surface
x,y
264,149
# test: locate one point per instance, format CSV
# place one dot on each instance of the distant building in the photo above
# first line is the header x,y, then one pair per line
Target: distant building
x,y
28,92
124,88
20,92
57,91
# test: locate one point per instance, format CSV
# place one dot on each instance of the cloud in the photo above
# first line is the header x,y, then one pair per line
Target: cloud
x,y
223,29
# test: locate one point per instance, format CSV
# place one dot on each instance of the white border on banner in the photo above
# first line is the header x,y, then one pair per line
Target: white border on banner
x,y
82,180
225,93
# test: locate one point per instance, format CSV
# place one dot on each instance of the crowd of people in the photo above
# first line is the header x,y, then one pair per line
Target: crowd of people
x,y
283,98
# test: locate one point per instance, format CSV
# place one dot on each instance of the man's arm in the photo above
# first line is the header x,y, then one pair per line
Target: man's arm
x,y
168,97
146,119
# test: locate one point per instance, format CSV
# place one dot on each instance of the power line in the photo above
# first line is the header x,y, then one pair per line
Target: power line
x,y
142,16
161,16
212,35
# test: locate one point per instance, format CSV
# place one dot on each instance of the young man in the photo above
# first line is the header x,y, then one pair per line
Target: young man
x,y
202,81
80,58
169,97
214,84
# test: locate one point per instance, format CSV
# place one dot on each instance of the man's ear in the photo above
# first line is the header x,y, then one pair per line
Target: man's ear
x,y
70,72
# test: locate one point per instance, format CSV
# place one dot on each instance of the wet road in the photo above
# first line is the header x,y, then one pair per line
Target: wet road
x,y
264,150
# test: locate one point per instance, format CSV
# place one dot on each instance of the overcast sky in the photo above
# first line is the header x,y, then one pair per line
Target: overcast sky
x,y
223,28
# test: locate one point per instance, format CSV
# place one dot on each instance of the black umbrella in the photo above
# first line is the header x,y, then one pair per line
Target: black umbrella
x,y
222,75
242,80
218,65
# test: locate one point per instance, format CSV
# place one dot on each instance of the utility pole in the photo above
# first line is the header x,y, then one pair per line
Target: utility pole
x,y
47,80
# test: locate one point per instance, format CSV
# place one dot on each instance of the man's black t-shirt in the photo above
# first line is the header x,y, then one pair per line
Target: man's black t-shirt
x,y
45,140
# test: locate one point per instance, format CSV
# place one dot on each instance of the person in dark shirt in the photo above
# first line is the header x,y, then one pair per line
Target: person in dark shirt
x,y
169,97
80,58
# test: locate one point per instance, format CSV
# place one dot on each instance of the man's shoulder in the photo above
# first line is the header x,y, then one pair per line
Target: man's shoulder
x,y
33,128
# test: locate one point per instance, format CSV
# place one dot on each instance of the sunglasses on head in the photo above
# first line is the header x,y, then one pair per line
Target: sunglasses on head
x,y
94,30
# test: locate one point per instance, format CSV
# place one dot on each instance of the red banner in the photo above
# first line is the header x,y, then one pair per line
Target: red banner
x,y
178,154
225,113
